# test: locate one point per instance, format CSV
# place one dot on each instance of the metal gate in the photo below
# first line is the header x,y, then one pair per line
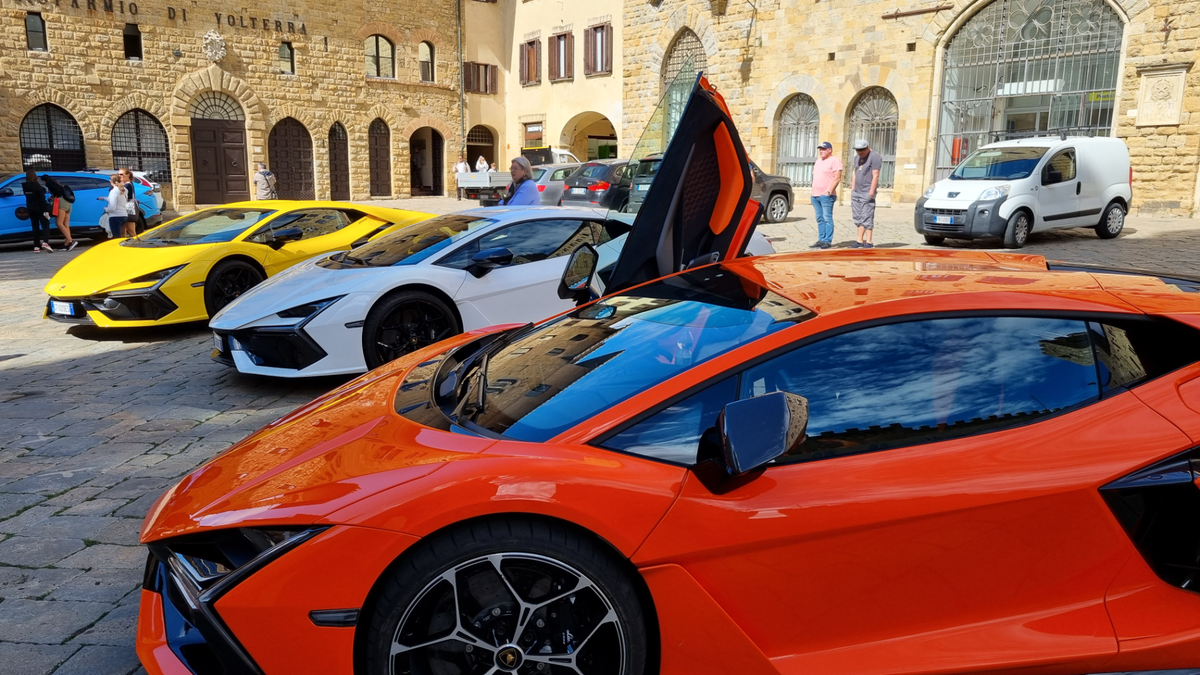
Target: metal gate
x,y
799,127
339,163
686,54
140,143
290,151
51,140
380,157
875,118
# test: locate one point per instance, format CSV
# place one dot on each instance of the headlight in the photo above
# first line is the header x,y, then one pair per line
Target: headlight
x,y
161,275
994,193
308,309
929,193
206,558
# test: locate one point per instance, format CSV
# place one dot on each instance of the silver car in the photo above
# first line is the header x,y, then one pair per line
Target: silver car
x,y
550,179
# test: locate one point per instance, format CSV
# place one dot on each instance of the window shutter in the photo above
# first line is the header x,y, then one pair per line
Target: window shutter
x,y
491,79
468,77
588,51
525,64
537,62
554,74
608,47
570,74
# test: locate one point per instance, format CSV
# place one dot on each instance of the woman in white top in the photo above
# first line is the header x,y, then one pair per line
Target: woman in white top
x,y
481,164
115,210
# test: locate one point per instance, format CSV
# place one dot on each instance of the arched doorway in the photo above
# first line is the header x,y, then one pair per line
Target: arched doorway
x,y
140,143
876,118
219,149
290,152
339,163
379,147
796,139
480,143
51,140
685,56
426,151
1020,69
590,135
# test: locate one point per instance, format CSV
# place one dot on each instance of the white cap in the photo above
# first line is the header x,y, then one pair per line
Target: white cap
x,y
861,144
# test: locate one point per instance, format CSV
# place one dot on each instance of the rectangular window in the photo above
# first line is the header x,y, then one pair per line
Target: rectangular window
x,y
287,58
533,135
480,78
35,32
562,57
133,42
597,45
531,62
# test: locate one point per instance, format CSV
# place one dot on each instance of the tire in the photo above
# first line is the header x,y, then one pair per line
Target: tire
x,y
1112,222
934,240
501,568
226,283
141,222
777,209
404,322
1017,232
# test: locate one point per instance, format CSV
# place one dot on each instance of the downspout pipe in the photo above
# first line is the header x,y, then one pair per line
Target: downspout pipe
x,y
462,97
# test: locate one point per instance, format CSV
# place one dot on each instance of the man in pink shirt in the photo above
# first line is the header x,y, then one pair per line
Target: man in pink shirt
x,y
827,173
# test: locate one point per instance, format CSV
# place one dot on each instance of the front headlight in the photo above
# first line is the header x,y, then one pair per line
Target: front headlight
x,y
161,275
994,193
308,309
929,193
208,557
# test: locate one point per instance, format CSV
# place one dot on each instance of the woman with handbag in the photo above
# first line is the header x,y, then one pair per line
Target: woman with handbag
x,y
131,203
60,207
114,210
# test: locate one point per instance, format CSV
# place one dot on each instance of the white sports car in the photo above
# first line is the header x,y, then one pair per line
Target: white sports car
x,y
351,312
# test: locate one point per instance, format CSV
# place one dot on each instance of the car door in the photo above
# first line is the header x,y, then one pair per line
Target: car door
x,y
526,289
12,198
943,512
91,196
555,185
314,225
1058,195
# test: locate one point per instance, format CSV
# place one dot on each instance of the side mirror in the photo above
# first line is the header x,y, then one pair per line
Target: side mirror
x,y
576,283
489,259
7,192
284,236
755,431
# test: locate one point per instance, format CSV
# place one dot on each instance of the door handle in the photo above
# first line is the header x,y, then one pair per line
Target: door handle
x,y
1078,187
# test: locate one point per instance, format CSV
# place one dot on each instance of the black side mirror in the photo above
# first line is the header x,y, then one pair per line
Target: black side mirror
x,y
755,431
7,192
487,260
576,283
284,236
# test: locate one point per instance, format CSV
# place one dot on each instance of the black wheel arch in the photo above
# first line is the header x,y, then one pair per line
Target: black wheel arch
x,y
241,258
424,288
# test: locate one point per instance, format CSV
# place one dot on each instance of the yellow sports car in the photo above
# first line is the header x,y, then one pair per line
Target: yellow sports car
x,y
189,268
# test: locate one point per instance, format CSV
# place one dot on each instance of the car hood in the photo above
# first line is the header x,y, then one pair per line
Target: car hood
x,y
294,286
322,457
962,191
109,265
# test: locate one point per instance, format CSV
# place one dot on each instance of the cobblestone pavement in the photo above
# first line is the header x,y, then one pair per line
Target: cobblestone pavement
x,y
94,425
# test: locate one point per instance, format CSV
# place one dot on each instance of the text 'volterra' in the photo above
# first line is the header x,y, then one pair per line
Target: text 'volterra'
x,y
131,9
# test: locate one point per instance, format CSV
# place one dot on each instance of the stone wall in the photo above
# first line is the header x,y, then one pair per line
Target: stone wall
x,y
86,73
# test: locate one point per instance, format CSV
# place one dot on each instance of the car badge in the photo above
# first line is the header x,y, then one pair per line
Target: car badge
x,y
508,658
954,194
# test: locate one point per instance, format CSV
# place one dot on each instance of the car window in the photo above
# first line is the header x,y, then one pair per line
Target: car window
x,y
209,226
530,241
1132,352
673,434
561,174
1060,168
78,183
538,173
1006,163
597,171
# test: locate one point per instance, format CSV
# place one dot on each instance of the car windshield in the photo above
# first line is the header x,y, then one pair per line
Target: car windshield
x,y
576,366
647,168
596,171
4,178
999,164
210,226
414,243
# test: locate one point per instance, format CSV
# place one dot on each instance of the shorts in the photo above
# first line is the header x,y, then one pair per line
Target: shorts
x,y
115,223
862,210
64,207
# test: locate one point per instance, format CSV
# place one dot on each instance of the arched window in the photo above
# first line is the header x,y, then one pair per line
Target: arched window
x,y
140,143
876,118
214,105
425,57
685,56
379,147
35,32
381,57
796,140
51,140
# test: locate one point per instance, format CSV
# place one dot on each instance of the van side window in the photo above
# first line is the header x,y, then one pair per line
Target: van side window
x,y
1060,168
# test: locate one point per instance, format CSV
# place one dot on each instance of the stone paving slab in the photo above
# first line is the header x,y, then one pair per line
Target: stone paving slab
x,y
94,425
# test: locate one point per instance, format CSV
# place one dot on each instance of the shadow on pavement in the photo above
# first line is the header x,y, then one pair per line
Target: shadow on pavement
x,y
139,335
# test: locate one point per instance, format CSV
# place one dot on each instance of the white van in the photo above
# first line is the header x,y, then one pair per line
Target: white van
x,y
1010,189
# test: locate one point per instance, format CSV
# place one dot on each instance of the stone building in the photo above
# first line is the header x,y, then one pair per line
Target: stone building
x,y
927,83
342,100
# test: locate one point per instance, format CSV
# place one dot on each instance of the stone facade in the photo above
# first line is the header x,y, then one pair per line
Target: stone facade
x,y
85,72
760,57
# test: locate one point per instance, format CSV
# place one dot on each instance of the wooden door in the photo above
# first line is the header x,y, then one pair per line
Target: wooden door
x,y
339,163
380,157
289,149
439,162
219,160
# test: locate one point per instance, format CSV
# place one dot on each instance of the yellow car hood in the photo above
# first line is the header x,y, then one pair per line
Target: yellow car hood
x,y
108,265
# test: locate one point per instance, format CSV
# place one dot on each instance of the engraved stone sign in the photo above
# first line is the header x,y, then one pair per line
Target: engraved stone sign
x,y
1160,98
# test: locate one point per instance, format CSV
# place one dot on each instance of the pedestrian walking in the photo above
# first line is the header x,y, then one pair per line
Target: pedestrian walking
x,y
131,203
827,173
481,164
864,183
264,183
460,167
115,211
35,203
522,191
62,199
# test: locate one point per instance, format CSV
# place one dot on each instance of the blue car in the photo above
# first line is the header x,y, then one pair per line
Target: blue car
x,y
86,215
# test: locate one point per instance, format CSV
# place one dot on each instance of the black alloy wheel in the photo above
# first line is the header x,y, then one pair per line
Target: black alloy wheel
x,y
403,323
777,208
228,280
502,596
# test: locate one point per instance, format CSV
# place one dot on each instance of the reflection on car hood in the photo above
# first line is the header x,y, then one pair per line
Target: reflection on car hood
x,y
294,286
109,264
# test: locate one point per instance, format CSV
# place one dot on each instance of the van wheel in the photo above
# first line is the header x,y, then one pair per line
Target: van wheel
x,y
1017,232
934,240
1112,222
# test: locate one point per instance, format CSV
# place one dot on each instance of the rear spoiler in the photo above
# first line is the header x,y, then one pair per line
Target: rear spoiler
x,y
1188,284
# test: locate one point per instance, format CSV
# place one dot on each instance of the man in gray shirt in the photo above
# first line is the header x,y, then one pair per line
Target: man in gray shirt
x,y
864,183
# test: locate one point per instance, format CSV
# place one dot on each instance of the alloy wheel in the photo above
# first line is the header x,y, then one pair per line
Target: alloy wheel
x,y
1115,220
409,327
778,209
1021,230
232,283
510,613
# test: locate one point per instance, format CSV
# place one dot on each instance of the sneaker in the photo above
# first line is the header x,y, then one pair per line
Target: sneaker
x,y
46,247
857,244
824,244
37,249
71,246
868,245
816,244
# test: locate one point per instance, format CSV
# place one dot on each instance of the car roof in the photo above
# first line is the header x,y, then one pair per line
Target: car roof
x,y
1052,142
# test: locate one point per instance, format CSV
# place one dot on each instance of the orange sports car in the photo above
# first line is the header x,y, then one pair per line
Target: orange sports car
x,y
855,462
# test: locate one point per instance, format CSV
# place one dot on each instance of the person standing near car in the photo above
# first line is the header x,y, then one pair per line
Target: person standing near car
x,y
264,183
60,208
522,191
35,203
131,203
461,167
114,209
827,173
864,183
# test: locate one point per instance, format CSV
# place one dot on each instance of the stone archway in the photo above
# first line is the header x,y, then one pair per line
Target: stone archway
x,y
427,162
589,135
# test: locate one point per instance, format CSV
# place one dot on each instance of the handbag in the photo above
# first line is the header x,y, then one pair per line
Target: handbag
x,y
54,207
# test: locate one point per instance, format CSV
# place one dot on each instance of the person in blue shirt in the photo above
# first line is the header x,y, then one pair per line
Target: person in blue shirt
x,y
523,190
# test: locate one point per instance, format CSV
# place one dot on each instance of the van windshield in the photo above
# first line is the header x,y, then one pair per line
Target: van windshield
x,y
999,164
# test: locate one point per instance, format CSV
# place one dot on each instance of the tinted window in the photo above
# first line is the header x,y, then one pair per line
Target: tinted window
x,y
1131,352
647,168
84,183
926,381
561,174
597,171
673,434
412,244
530,241
1060,168
202,227
312,222
999,164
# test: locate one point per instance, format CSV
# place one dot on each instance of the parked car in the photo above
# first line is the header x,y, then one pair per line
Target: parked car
x,y
87,213
141,177
600,182
548,155
642,175
1010,189
551,180
773,192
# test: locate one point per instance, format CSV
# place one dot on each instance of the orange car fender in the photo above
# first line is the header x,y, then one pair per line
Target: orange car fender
x,y
618,498
152,648
1157,625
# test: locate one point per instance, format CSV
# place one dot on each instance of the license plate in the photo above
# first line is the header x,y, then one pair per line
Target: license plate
x,y
643,188
944,220
62,308
578,191
218,342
